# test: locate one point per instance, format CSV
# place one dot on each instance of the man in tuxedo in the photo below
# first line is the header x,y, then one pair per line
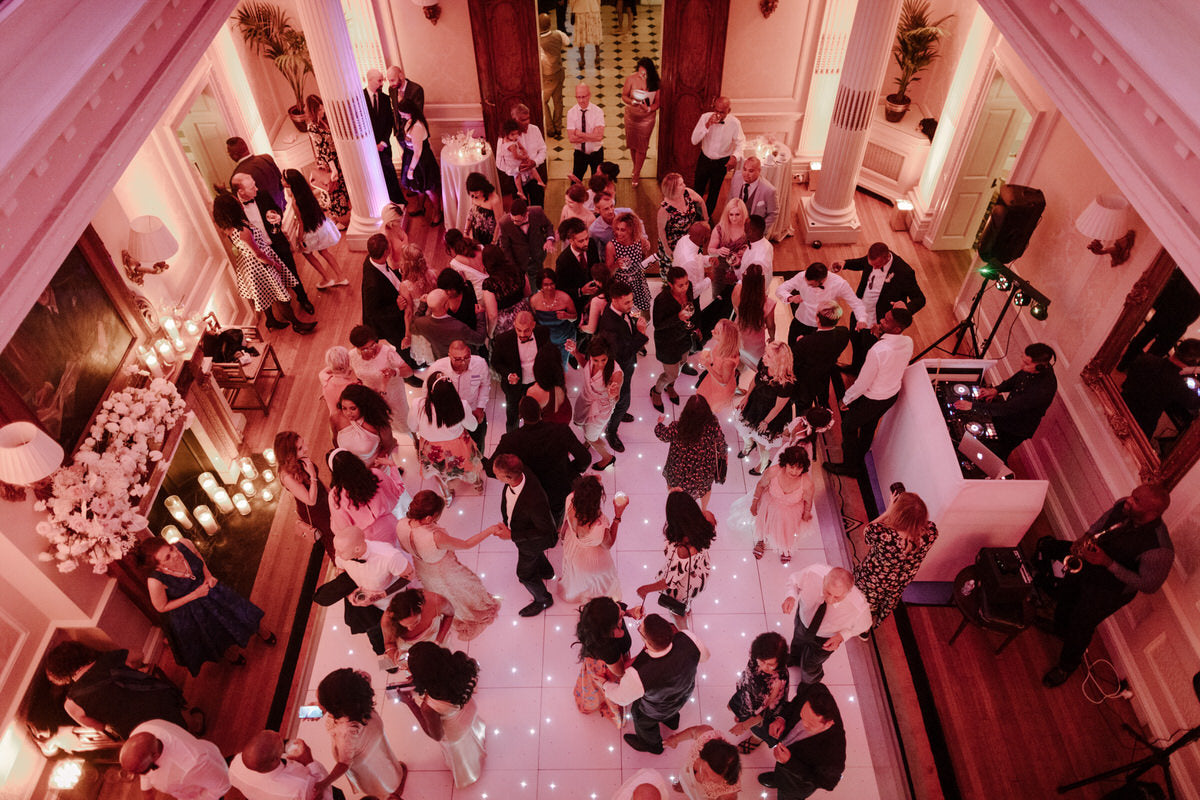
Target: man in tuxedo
x,y
401,88
381,293
264,214
526,236
758,195
815,355
811,749
887,282
573,269
262,168
512,357
379,107
526,512
627,336
550,450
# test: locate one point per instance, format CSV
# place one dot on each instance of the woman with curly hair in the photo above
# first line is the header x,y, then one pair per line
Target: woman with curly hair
x,y
604,644
762,687
897,541
363,425
440,571
310,231
689,532
442,701
506,290
414,615
768,407
697,456
783,505
298,474
587,536
360,744
364,498
442,423
714,768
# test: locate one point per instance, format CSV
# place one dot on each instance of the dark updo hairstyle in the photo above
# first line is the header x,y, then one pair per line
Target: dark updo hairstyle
x,y
686,522
408,602
67,658
347,694
352,478
425,503
146,550
442,674
769,645
459,244
723,758
795,456
598,618
361,335
478,182
374,409
451,280
587,494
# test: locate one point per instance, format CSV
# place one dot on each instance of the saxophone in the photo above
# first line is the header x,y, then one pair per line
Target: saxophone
x,y
1073,562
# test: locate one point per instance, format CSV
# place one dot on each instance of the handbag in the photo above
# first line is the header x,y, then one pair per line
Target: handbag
x,y
304,527
722,467
674,604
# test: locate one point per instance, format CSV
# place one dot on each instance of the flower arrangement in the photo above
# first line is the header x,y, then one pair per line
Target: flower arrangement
x,y
92,508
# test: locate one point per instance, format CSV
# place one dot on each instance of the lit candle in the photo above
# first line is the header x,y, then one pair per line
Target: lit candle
x,y
165,353
206,519
243,505
191,327
267,495
268,476
269,455
171,534
248,470
209,484
248,488
170,327
221,498
152,363
178,344
178,511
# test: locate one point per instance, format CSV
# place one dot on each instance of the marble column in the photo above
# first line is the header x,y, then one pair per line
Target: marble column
x,y
324,25
829,215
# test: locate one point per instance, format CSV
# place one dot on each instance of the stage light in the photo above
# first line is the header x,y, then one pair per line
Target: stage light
x,y
1039,311
1020,298
1003,283
988,271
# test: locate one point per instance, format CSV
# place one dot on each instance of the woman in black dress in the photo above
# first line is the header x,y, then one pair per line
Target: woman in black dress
x,y
420,169
768,407
298,474
696,457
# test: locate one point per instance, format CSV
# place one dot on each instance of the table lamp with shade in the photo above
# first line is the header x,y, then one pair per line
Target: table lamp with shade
x,y
149,243
28,456
1106,221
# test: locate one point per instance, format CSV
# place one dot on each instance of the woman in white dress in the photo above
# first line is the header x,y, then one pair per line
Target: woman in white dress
x,y
597,395
309,231
360,744
413,615
442,701
588,536
442,423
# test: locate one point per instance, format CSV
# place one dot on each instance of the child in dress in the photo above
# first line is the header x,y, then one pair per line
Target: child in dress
x,y
512,143
783,504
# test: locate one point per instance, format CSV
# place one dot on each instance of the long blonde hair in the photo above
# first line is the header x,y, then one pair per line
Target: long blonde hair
x,y
778,358
726,233
727,340
906,515
414,267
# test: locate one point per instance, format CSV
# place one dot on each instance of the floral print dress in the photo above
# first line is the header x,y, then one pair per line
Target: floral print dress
x,y
327,158
678,223
693,466
889,566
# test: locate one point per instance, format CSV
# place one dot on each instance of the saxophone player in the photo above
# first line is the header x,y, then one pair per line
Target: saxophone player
x,y
1126,551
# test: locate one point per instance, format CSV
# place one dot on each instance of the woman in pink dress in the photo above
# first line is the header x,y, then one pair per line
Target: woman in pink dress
x,y
755,314
588,537
783,505
364,498
720,360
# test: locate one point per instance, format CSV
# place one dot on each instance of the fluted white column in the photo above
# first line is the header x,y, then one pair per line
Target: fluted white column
x,y
829,215
332,52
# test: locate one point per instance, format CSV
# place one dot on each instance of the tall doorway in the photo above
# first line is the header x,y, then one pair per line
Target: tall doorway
x,y
201,135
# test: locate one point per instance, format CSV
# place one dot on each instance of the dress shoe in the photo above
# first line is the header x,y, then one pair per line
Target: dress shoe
x,y
600,466
688,369
275,325
627,417
633,741
1055,677
615,444
307,307
414,381
535,608
840,469
767,779
304,327
656,401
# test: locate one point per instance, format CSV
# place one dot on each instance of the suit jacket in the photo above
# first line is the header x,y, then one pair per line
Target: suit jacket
x,y
526,249
279,240
625,342
379,309
506,358
820,758
267,177
901,284
813,360
762,200
441,332
571,274
530,520
383,120
552,452
412,91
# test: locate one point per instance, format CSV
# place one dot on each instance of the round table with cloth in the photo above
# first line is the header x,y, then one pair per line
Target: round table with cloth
x,y
776,160
457,164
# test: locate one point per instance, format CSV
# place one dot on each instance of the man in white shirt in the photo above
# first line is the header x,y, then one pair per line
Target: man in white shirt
x,y
531,141
172,761
829,609
760,251
374,566
689,256
874,392
807,290
606,214
757,194
585,130
265,215
472,378
722,142
262,772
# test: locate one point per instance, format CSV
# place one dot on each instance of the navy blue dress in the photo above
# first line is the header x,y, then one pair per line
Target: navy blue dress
x,y
205,628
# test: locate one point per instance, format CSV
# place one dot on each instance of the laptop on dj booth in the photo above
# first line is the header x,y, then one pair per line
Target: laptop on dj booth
x,y
983,458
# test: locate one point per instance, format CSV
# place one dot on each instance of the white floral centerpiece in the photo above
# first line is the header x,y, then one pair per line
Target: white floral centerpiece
x,y
92,509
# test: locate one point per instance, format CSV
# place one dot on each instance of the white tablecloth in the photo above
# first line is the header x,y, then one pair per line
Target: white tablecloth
x,y
455,169
776,160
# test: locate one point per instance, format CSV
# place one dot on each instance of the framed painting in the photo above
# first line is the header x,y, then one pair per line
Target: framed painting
x,y
71,348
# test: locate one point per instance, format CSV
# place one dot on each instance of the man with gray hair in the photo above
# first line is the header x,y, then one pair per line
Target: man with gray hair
x,y
522,158
829,609
379,107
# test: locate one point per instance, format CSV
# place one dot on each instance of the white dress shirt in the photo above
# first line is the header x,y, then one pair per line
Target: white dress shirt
x,y
835,288
381,565
288,781
387,273
593,115
849,616
722,140
630,688
876,278
474,384
883,370
762,253
535,147
255,217
189,768
511,493
687,256
527,351
473,276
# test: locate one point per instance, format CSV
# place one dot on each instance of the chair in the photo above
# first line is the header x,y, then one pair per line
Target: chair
x,y
259,379
969,597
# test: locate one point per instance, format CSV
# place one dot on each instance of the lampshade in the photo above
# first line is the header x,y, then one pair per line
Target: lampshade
x,y
1105,219
27,454
150,241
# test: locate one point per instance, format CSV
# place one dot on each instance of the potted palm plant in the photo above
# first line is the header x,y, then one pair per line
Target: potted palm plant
x,y
268,32
916,48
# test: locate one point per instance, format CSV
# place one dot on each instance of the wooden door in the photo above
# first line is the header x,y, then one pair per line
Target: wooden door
x,y
505,35
693,61
202,135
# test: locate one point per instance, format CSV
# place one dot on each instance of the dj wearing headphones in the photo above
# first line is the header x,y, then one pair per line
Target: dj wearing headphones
x,y
1029,394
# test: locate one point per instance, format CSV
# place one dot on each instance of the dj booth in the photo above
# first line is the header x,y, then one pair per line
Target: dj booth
x,y
941,454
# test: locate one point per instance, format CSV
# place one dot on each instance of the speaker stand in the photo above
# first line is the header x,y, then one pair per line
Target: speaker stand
x,y
960,332
1159,757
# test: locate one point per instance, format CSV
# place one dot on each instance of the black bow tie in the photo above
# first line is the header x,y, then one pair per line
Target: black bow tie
x,y
359,560
247,202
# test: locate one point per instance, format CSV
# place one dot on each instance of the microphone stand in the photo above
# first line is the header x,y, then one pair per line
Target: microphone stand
x,y
1159,757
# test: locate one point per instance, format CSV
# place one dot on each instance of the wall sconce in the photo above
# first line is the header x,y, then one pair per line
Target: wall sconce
x,y
432,9
1106,219
28,456
149,242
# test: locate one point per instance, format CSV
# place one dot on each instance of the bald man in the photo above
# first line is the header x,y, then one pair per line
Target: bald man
x,y
383,120
512,357
722,142
401,88
829,609
1128,550
261,167
170,760
585,132
262,771
440,329
265,215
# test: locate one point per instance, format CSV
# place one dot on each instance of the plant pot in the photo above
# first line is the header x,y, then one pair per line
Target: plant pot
x,y
299,118
895,107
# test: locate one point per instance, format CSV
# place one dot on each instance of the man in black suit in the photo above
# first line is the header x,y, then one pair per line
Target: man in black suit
x,y
811,749
627,336
400,88
526,236
526,512
383,120
262,168
886,281
550,450
815,355
512,357
264,214
381,293
573,269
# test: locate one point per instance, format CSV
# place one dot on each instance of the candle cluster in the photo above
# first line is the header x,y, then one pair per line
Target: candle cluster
x,y
219,496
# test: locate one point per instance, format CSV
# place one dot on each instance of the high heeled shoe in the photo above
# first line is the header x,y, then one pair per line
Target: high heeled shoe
x,y
656,401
